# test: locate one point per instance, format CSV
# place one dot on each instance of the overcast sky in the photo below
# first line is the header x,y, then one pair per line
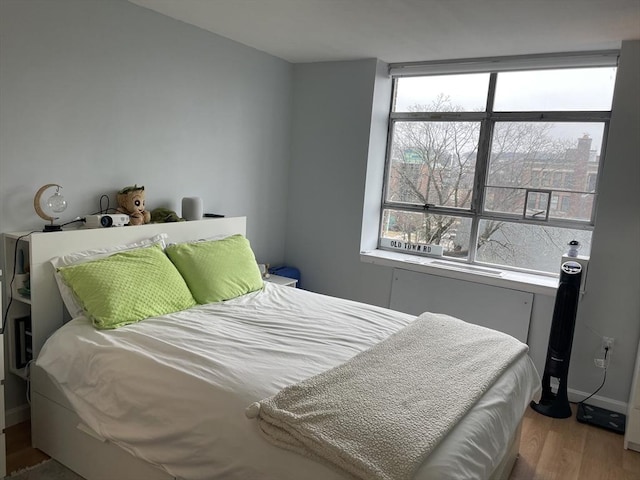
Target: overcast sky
x,y
569,89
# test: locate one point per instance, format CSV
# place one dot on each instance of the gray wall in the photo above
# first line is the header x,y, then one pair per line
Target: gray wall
x,y
612,305
332,129
333,154
96,95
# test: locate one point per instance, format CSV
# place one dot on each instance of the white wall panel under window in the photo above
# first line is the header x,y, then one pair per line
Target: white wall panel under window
x,y
502,309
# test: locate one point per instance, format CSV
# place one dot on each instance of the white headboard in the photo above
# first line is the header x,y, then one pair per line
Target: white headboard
x,y
47,309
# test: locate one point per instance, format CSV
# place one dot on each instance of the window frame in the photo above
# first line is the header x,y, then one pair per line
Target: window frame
x,y
488,121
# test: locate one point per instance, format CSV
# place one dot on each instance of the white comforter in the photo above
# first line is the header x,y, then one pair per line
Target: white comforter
x,y
172,390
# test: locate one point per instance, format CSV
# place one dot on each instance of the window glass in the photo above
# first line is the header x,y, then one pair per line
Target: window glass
x,y
589,89
545,156
433,163
524,182
509,201
537,202
573,206
442,93
533,247
450,232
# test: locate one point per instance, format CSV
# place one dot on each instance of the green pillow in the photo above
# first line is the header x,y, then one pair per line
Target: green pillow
x,y
127,287
217,270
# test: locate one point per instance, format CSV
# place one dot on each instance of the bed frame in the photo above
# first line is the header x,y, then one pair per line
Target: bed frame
x,y
56,429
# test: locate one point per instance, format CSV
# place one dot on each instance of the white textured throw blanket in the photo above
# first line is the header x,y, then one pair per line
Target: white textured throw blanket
x,y
380,414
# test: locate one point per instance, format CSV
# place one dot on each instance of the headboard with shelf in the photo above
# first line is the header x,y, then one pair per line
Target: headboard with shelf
x,y
46,306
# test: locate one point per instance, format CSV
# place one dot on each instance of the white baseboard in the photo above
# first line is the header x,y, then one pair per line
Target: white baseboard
x,y
576,396
18,414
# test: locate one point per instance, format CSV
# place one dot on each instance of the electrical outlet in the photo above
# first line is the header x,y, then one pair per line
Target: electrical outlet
x,y
603,357
607,343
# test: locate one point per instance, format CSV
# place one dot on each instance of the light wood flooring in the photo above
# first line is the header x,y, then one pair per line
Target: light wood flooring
x,y
20,454
550,449
565,449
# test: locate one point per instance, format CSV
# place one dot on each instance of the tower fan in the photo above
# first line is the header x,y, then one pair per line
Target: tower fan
x,y
551,404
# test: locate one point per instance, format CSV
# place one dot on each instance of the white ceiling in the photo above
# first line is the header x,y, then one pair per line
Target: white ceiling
x,y
410,30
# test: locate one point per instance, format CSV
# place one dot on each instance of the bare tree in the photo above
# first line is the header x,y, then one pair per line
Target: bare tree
x,y
433,163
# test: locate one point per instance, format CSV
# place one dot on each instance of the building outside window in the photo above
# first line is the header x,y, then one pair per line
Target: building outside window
x,y
496,167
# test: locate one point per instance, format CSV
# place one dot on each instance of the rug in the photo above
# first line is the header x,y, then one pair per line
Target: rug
x,y
47,470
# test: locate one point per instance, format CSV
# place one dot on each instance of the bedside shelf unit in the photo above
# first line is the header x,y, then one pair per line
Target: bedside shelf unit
x,y
23,338
17,246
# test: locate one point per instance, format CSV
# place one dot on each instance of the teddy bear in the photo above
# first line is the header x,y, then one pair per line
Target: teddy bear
x,y
131,202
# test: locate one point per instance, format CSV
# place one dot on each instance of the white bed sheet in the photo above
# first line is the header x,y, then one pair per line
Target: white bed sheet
x,y
129,385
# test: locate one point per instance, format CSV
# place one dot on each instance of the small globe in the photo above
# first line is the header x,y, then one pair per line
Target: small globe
x,y
57,203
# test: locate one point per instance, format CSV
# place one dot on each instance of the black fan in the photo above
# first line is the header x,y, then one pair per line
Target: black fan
x,y
551,404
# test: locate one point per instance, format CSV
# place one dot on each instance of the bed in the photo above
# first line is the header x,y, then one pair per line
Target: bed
x,y
167,397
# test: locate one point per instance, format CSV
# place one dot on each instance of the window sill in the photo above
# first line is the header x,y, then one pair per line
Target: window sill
x,y
526,282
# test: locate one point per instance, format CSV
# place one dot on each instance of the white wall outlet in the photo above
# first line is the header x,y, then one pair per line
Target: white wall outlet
x,y
603,357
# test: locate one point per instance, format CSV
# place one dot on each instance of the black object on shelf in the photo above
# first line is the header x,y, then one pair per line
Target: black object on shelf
x,y
213,215
23,341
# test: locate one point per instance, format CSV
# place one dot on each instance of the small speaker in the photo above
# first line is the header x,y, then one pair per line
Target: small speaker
x,y
192,208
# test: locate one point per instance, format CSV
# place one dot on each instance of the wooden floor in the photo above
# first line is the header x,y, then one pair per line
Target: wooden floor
x,y
20,454
550,449
564,449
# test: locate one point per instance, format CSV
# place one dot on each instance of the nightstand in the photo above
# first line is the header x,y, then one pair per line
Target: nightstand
x,y
286,281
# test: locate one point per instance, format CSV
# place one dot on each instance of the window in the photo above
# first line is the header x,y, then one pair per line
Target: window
x,y
496,167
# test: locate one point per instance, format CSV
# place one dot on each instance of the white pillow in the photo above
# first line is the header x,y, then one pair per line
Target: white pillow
x,y
73,305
